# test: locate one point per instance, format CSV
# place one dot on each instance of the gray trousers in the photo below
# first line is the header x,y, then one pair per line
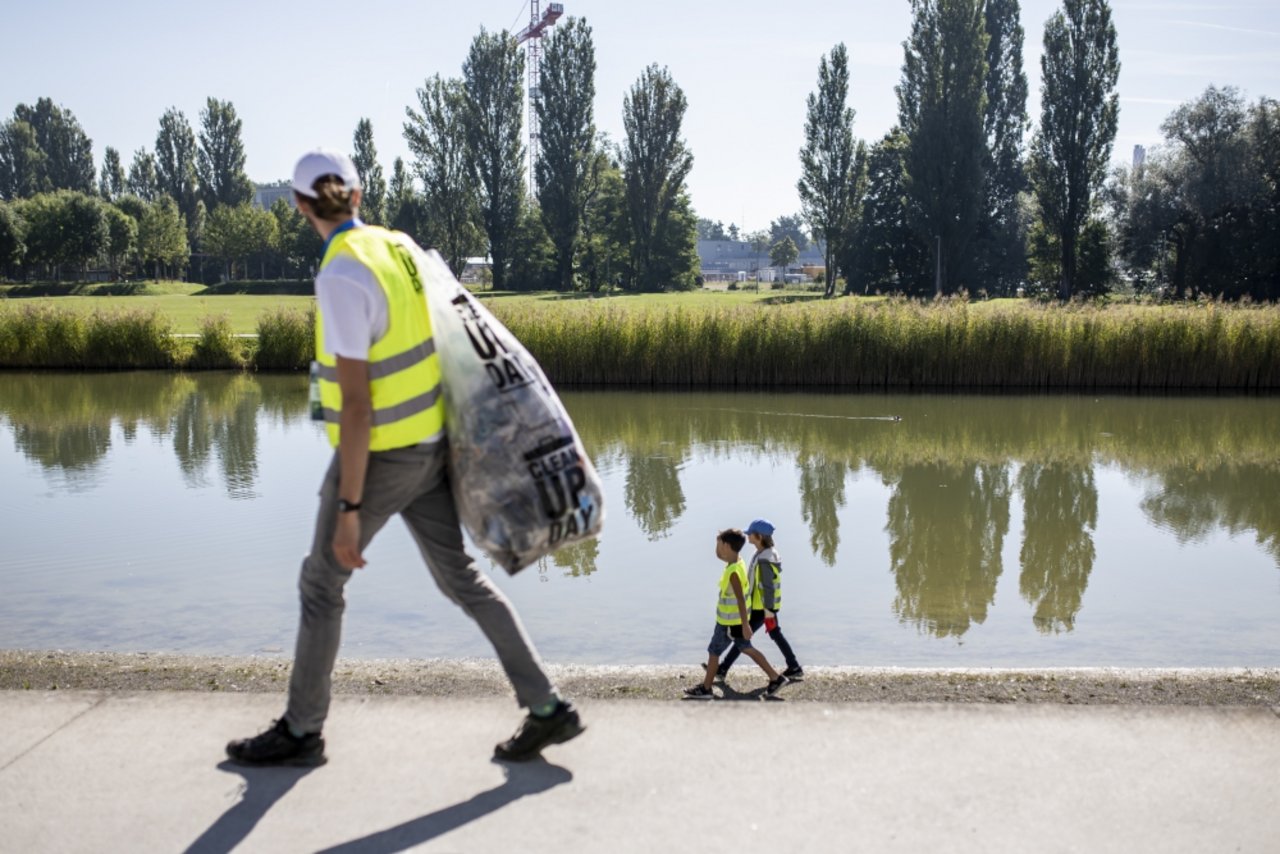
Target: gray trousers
x,y
414,483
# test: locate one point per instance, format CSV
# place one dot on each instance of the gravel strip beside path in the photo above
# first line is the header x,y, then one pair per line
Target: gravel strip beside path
x,y
56,670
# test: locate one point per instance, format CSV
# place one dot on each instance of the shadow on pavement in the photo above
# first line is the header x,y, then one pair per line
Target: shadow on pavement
x,y
263,787
523,779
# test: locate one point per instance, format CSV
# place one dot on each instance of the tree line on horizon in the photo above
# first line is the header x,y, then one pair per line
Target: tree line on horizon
x,y
953,199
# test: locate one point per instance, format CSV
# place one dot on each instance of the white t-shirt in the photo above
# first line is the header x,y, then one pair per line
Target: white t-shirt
x,y
353,306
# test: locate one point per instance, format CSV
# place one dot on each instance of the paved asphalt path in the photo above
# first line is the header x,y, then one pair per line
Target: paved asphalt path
x,y
121,772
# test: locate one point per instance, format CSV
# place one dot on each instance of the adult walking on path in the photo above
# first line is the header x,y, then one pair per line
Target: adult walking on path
x,y
379,394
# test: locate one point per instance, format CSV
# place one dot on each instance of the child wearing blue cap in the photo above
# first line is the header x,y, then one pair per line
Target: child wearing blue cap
x,y
731,619
765,578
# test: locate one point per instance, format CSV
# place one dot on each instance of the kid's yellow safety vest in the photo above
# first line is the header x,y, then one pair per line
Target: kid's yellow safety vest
x,y
757,594
727,613
404,370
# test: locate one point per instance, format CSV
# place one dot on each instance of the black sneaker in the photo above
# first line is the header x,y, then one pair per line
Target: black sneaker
x,y
699,692
536,733
795,674
775,684
278,746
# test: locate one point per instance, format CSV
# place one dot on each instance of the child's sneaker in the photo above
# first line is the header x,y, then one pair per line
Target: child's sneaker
x,y
776,684
795,674
699,692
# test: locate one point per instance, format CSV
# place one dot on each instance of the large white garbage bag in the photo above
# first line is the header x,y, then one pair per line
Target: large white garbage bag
x,y
522,481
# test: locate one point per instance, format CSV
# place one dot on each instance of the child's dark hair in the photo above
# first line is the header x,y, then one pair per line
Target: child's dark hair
x,y
766,541
333,198
733,538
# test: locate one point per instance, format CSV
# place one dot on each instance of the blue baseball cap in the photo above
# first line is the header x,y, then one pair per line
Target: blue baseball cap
x,y
763,527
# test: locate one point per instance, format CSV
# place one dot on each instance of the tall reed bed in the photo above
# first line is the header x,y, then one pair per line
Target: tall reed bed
x,y
905,344
39,337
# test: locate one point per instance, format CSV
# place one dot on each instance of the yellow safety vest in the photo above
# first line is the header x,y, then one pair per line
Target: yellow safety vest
x,y
727,613
404,370
757,594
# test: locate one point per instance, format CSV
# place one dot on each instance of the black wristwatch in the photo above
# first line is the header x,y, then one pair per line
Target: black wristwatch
x,y
345,506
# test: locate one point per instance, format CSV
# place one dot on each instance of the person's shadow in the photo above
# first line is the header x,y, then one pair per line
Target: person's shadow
x,y
266,786
526,778
262,788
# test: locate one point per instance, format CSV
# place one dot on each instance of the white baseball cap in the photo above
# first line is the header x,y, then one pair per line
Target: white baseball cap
x,y
321,162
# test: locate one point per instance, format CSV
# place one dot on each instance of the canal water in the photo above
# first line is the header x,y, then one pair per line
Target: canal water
x,y
167,512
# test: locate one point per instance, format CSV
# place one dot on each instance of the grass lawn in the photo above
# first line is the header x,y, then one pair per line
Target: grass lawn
x,y
182,303
184,310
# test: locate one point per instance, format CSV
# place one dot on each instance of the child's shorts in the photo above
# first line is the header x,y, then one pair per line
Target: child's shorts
x,y
726,636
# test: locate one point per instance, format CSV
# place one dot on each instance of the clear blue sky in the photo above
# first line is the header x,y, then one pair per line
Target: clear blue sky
x,y
303,74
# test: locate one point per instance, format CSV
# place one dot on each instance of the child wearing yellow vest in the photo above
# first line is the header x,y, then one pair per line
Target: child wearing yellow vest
x,y
732,625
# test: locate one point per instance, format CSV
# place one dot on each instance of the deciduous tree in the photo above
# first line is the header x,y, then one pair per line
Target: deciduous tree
x,y
827,159
143,180
655,163
1079,110
493,81
65,158
220,159
1001,244
111,181
373,204
436,135
567,130
941,106
176,169
162,236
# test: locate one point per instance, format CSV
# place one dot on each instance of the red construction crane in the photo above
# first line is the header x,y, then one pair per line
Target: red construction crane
x,y
538,23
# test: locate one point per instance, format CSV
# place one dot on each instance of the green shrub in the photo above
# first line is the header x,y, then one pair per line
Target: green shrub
x,y
217,347
286,340
129,340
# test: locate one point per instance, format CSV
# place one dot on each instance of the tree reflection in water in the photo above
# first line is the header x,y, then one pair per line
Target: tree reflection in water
x,y
652,493
578,558
947,523
822,482
1060,513
64,422
1193,503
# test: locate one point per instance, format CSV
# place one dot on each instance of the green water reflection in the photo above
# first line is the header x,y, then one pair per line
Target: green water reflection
x,y
957,470
64,421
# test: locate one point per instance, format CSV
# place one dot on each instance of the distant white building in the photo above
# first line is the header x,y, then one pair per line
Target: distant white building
x,y
729,260
265,195
1139,156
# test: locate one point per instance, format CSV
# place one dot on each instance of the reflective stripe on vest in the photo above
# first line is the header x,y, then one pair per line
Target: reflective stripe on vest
x,y
727,613
757,593
404,370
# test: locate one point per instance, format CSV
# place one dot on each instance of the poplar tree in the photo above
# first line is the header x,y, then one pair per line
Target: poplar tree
x,y
565,177
365,157
1079,110
220,159
493,75
655,163
176,169
1003,254
827,161
21,161
111,183
436,136
941,108
43,149
143,180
